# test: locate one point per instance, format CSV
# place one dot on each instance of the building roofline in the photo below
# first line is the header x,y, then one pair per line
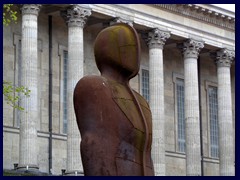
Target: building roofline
x,y
203,12
218,9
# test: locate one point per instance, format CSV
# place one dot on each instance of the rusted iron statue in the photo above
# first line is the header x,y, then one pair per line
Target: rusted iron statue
x,y
114,121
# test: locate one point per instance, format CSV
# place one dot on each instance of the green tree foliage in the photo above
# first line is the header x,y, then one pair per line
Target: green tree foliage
x,y
12,94
9,15
10,91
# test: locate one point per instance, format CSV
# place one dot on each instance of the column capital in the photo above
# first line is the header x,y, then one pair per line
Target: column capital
x,y
76,16
224,57
121,20
191,48
157,38
30,9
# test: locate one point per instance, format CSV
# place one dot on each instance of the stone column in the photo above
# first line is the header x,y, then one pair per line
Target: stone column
x,y
224,59
156,42
121,20
75,17
28,150
191,49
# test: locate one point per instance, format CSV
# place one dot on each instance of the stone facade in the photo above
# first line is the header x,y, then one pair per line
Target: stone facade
x,y
145,18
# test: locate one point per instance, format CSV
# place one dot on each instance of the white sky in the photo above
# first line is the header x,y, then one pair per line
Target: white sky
x,y
230,7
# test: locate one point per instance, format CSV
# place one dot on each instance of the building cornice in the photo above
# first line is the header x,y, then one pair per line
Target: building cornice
x,y
200,13
177,28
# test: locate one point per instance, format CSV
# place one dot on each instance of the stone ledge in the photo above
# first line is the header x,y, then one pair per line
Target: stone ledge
x,y
7,172
56,136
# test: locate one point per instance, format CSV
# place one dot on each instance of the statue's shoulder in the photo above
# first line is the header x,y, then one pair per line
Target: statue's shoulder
x,y
91,83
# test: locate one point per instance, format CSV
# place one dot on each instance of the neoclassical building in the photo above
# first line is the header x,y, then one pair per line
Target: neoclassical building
x,y
187,75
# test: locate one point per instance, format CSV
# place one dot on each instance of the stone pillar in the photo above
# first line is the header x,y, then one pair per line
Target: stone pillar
x,y
121,20
224,59
28,150
75,17
156,42
191,49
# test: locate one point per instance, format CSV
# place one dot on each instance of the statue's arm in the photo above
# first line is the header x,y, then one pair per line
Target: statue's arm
x,y
88,103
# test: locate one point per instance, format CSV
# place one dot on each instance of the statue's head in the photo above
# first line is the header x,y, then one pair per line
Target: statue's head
x,y
118,47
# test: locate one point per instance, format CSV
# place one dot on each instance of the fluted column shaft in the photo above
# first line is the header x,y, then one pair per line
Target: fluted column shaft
x,y
156,42
29,117
75,18
224,60
191,50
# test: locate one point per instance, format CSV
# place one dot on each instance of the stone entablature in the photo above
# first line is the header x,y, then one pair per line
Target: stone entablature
x,y
149,17
201,13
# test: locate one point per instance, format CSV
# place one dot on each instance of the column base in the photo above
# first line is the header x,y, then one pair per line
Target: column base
x,y
72,173
27,168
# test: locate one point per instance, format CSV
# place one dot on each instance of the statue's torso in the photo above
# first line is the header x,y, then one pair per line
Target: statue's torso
x,y
121,126
131,146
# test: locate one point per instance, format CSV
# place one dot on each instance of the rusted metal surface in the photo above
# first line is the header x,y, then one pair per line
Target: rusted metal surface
x,y
114,121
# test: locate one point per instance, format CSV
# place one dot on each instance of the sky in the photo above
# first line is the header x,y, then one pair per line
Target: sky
x,y
230,7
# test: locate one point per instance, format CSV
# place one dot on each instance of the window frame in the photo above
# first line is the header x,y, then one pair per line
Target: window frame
x,y
177,76
61,49
207,85
141,81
